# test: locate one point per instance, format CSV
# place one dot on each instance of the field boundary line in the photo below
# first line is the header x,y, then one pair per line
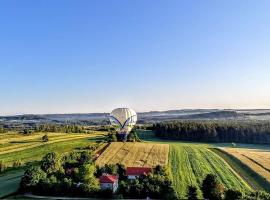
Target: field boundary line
x,y
257,163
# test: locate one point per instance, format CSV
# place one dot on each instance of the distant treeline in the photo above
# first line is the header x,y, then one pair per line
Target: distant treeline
x,y
215,131
59,128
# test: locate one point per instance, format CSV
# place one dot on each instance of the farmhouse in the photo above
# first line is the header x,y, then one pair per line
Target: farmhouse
x,y
108,182
135,172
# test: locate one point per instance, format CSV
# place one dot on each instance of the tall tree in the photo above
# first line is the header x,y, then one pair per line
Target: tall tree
x,y
211,188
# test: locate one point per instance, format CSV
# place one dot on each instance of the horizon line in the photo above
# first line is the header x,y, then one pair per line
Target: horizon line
x,y
82,113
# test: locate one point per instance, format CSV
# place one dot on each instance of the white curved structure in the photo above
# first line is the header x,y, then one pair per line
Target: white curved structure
x,y
124,119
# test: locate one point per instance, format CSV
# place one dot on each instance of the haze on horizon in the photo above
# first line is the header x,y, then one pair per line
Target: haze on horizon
x,y
92,56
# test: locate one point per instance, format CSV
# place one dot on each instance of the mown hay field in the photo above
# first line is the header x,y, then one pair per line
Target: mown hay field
x,y
255,159
135,154
190,164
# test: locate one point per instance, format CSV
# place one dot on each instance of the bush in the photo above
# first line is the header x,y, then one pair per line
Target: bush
x,y
113,138
233,195
17,163
27,131
45,138
192,193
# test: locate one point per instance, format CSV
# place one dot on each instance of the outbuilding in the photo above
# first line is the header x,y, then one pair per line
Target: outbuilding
x,y
108,182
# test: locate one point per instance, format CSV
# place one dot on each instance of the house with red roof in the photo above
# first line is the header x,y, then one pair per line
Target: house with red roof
x,y
135,172
108,182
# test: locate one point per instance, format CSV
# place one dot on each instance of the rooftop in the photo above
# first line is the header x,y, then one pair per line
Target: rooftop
x,y
108,179
136,171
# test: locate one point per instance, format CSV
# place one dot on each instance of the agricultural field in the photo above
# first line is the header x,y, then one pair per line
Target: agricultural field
x,y
31,148
257,160
17,147
190,163
135,154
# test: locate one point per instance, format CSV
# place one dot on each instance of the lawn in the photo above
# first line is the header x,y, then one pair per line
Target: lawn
x,y
135,154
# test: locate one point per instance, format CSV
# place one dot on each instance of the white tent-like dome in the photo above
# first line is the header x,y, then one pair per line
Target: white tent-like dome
x,y
124,119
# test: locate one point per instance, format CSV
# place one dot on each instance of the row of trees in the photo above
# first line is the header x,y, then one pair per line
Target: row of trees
x,y
53,128
59,128
214,131
212,189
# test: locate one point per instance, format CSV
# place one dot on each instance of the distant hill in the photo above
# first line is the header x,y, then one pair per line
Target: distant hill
x,y
144,117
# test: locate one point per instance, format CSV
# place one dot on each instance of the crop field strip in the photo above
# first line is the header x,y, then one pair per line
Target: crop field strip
x,y
258,161
135,154
190,164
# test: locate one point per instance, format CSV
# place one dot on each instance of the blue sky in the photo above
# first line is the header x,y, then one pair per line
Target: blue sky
x,y
91,56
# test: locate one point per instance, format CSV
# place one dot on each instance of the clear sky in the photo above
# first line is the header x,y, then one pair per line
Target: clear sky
x,y
91,56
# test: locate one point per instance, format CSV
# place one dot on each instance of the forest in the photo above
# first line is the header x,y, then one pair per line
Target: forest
x,y
257,132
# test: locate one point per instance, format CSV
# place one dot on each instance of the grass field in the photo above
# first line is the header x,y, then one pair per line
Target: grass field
x,y
135,154
191,163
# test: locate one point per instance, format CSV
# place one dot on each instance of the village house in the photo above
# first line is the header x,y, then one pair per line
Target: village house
x,y
108,182
135,172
